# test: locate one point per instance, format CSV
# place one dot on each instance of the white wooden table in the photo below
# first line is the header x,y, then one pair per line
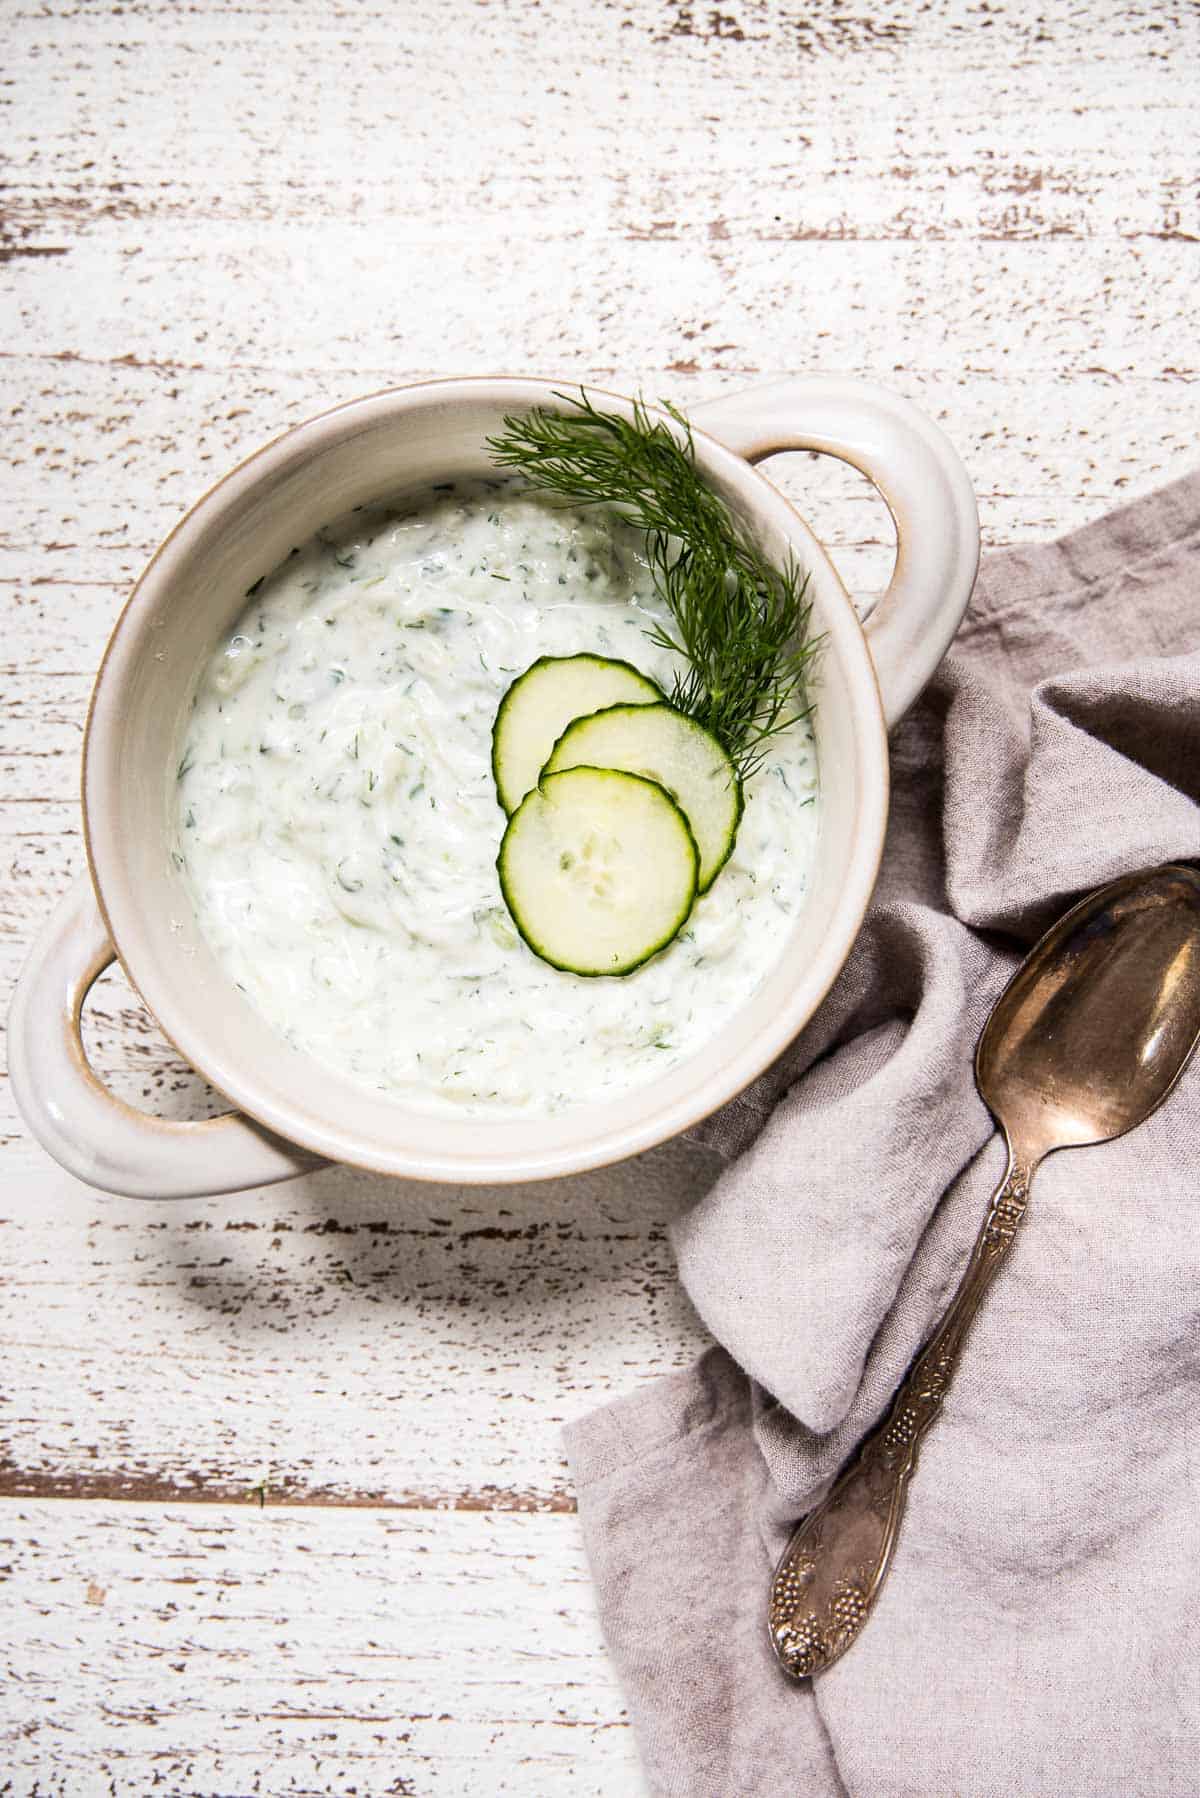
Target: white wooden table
x,y
282,1503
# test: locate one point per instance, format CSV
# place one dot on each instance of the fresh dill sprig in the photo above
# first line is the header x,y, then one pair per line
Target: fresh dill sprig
x,y
740,623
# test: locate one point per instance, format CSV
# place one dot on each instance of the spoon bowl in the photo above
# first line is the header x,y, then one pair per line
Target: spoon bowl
x,y
1099,1021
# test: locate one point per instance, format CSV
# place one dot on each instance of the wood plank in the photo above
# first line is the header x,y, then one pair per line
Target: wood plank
x,y
751,310
344,1337
778,122
221,1649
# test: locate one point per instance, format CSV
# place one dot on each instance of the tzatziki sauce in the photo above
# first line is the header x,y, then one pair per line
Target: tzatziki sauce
x,y
337,822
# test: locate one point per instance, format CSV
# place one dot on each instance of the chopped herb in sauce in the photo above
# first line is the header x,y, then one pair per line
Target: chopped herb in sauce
x,y
358,907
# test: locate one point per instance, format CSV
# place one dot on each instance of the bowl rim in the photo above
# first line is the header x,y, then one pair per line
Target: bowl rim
x,y
324,1138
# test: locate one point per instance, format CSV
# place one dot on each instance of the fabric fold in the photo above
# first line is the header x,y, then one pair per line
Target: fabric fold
x,y
892,1113
1039,1630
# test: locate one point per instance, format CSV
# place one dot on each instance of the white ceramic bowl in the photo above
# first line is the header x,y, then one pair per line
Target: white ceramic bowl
x,y
292,1111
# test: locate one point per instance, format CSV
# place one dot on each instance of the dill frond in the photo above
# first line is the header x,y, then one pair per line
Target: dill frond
x,y
740,623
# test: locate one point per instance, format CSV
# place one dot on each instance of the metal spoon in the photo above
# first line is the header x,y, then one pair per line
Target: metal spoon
x,y
1089,1036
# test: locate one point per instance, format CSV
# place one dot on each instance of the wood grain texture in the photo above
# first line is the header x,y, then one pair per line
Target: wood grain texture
x,y
282,1501
206,1649
344,1337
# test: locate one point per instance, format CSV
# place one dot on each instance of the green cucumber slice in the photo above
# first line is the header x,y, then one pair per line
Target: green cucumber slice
x,y
598,869
665,746
542,702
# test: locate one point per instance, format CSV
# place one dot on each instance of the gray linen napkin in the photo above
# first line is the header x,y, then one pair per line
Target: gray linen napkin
x,y
1039,1632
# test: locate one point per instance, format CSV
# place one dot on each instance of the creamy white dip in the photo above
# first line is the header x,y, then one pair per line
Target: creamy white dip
x,y
338,823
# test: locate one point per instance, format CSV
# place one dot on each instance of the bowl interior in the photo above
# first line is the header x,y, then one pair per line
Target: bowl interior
x,y
362,453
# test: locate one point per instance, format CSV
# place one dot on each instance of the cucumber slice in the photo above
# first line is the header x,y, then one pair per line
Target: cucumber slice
x,y
665,746
542,702
598,869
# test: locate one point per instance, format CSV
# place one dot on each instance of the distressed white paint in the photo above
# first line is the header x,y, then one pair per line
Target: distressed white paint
x,y
215,222
343,1336
207,1649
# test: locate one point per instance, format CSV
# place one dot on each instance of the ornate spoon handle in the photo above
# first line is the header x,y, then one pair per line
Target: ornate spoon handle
x,y
837,1559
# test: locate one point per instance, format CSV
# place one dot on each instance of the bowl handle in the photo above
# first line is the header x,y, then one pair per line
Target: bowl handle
x,y
93,1134
926,488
